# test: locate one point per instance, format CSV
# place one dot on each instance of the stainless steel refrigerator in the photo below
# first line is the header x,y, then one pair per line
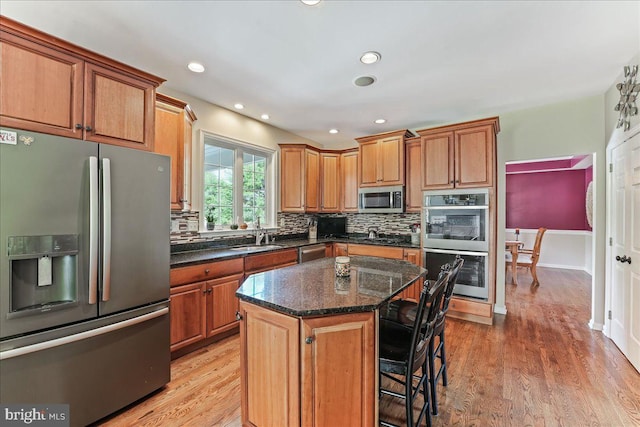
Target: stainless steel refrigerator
x,y
84,273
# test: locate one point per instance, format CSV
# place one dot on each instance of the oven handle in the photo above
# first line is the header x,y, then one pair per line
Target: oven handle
x,y
453,207
456,252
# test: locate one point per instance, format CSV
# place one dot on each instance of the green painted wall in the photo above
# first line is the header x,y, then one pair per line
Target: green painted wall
x,y
566,128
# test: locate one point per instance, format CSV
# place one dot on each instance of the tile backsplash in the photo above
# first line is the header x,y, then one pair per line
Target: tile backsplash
x,y
297,223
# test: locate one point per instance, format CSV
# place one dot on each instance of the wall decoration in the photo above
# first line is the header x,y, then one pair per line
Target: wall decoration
x,y
589,204
628,93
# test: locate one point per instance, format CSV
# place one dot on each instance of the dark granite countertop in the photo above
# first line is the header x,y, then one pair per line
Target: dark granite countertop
x,y
312,288
203,253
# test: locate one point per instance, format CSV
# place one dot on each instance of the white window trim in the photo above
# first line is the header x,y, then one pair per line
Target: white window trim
x,y
198,181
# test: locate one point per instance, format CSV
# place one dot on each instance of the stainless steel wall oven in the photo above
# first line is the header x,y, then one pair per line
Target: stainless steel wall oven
x,y
455,219
456,222
473,277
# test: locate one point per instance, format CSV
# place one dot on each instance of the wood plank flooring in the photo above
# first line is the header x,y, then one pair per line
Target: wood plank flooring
x,y
540,365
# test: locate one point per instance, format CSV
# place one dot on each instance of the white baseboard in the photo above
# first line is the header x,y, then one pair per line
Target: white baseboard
x,y
565,267
500,309
596,326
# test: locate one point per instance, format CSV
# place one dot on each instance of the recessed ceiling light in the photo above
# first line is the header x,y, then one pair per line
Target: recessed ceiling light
x,y
265,117
196,67
380,121
333,131
310,2
370,57
364,81
238,106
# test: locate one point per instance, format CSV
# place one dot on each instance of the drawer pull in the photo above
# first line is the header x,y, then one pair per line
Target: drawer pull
x,y
207,271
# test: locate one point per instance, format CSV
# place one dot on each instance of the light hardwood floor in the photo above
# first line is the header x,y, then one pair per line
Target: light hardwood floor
x,y
539,365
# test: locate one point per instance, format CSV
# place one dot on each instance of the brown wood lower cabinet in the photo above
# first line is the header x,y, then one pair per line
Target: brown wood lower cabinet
x,y
222,303
203,309
307,372
188,319
200,308
475,311
268,261
414,256
340,249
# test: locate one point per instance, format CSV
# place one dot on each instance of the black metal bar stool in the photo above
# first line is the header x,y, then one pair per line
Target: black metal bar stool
x,y
404,312
403,350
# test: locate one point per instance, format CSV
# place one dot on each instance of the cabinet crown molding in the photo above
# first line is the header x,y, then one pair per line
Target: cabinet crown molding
x,y
318,150
405,133
493,121
24,31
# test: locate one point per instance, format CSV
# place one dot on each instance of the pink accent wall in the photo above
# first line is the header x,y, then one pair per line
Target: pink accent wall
x,y
555,200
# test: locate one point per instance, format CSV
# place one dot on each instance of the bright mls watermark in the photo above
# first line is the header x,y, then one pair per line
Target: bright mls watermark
x,y
54,415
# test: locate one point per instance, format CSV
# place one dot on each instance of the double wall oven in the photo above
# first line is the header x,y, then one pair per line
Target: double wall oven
x,y
456,222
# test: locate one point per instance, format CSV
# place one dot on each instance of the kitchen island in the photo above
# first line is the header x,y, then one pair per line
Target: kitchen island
x,y
309,341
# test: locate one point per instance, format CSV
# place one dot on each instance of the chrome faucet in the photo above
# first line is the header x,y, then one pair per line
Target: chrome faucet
x,y
260,233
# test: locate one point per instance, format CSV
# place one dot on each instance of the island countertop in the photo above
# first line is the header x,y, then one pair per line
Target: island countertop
x,y
312,288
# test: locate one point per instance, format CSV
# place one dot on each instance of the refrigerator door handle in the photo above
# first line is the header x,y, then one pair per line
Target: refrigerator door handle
x,y
93,229
106,229
15,352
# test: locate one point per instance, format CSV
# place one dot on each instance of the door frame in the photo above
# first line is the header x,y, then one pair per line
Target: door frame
x,y
617,138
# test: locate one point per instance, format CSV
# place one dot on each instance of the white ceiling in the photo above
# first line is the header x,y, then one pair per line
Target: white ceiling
x,y
441,61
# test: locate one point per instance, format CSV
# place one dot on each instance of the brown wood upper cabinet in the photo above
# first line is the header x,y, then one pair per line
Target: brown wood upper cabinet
x,y
174,124
381,160
330,182
460,155
309,179
299,179
413,184
55,87
349,178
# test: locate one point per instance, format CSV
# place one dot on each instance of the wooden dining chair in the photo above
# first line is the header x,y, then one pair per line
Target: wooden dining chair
x,y
528,258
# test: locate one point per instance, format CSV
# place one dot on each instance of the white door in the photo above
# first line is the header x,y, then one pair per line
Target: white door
x,y
618,310
625,249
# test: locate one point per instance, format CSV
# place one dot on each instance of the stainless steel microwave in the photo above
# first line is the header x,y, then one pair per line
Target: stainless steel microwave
x,y
381,199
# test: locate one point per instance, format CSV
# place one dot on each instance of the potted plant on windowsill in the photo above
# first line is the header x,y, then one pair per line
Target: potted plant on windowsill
x,y
209,215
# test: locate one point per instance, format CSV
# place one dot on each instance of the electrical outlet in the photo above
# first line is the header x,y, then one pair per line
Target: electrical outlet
x,y
175,226
192,225
281,222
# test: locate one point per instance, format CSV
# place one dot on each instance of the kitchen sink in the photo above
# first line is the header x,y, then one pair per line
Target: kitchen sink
x,y
255,248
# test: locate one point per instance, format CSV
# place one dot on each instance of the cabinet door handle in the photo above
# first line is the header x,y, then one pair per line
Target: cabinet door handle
x,y
308,340
88,128
79,126
238,315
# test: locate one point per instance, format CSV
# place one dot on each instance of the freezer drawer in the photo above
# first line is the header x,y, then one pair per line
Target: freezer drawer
x,y
95,375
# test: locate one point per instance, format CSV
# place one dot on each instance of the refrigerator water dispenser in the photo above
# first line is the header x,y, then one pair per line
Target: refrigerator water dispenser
x,y
44,273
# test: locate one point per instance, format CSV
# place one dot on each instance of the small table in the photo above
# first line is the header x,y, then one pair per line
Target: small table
x,y
512,246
